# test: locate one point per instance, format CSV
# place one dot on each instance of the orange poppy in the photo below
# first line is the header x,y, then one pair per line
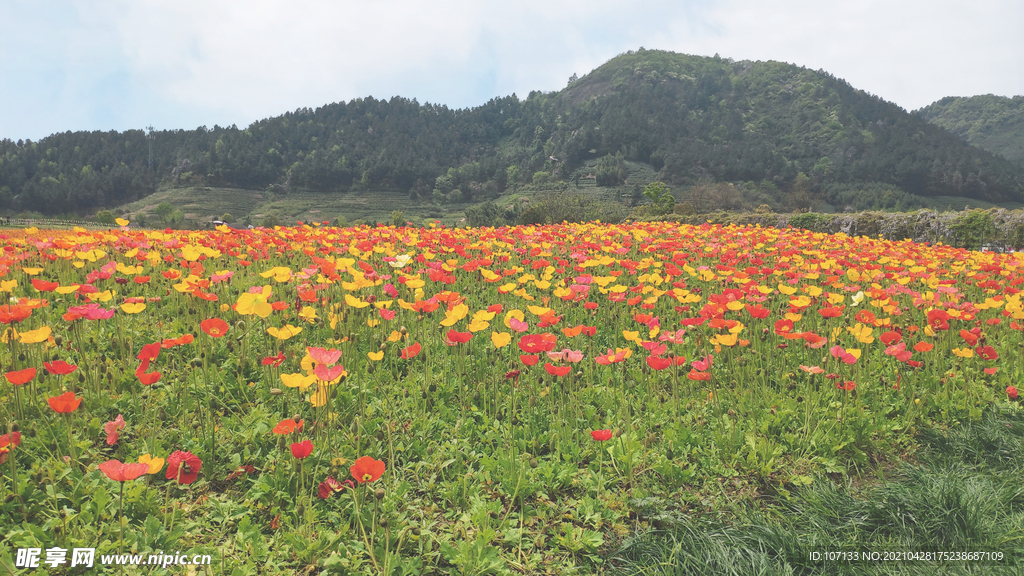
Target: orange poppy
x,y
65,403
287,426
366,469
214,327
410,352
15,313
20,377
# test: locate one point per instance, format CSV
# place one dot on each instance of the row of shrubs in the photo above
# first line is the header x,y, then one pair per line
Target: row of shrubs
x,y
996,228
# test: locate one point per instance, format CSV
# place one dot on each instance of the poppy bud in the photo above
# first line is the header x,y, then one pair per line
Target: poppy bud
x,y
416,531
21,357
383,522
515,421
379,494
533,401
15,427
433,388
494,515
276,391
670,454
81,378
533,463
58,340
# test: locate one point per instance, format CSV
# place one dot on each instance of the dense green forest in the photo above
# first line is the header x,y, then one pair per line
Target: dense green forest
x,y
791,133
995,123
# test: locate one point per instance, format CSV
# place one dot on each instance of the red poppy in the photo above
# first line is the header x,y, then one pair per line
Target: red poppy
x,y
141,279
831,311
386,314
148,378
847,385
12,440
1011,391
529,359
302,449
149,351
865,316
889,338
122,472
20,377
556,370
288,426
658,363
987,353
366,469
758,311
991,371
783,326
214,327
534,343
65,403
938,319
44,286
273,360
699,376
410,352
331,486
590,305
183,467
59,367
601,435
459,337
512,374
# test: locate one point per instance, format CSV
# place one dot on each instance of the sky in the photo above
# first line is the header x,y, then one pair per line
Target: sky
x,y
120,65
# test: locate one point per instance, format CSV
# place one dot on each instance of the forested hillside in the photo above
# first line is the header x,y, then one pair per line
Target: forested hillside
x,y
995,123
792,133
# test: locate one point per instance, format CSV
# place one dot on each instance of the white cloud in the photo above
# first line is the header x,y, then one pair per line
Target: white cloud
x,y
117,64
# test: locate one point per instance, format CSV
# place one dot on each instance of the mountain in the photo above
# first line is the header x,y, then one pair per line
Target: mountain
x,y
784,134
995,123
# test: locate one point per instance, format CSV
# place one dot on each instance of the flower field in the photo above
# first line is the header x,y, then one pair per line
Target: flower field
x,y
465,401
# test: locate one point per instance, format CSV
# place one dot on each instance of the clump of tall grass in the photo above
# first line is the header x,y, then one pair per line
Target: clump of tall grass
x,y
962,492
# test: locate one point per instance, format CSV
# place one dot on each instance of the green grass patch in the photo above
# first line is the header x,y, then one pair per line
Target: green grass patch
x,y
961,493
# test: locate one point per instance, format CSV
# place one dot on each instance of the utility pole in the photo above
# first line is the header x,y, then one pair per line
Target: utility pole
x,y
150,136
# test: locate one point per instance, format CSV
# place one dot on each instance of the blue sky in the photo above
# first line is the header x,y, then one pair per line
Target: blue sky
x,y
117,65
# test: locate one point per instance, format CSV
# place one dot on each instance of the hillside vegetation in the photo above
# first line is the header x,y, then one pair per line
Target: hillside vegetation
x,y
995,123
783,135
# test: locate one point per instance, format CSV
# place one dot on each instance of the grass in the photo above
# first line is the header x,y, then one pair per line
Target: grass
x,y
962,494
